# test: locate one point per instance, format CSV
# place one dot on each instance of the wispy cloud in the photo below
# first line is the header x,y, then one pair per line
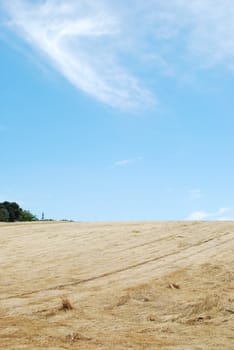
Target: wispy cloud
x,y
77,38
102,46
197,32
220,215
198,215
126,162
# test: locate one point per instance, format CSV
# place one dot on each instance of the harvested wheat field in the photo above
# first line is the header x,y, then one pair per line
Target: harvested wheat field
x,y
154,285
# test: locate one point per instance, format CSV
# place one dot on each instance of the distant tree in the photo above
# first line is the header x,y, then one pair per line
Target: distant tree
x,y
14,210
4,214
11,211
26,215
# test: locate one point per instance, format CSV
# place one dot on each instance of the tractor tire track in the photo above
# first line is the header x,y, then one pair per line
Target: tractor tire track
x,y
139,264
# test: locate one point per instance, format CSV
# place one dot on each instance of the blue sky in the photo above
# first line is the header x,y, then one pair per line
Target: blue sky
x,y
118,111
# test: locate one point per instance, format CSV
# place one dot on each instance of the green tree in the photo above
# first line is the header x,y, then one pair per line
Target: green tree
x,y
11,211
4,214
26,215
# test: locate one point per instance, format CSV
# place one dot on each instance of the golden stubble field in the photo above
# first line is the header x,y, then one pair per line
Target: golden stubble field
x,y
146,285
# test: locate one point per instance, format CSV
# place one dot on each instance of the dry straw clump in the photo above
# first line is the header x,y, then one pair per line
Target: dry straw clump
x,y
66,305
73,337
207,304
173,286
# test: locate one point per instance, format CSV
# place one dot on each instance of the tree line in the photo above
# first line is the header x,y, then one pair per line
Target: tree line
x,y
11,212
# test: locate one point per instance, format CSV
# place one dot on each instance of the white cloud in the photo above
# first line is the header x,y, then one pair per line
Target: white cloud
x,y
77,38
203,29
126,162
198,215
217,215
223,211
100,45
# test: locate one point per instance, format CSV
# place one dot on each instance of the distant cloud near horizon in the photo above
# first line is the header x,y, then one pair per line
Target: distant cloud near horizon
x,y
222,214
104,48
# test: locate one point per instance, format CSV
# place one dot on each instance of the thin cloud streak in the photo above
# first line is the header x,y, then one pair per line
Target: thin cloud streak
x,y
126,162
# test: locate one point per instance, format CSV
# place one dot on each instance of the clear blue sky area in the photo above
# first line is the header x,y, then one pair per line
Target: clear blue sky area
x,y
118,111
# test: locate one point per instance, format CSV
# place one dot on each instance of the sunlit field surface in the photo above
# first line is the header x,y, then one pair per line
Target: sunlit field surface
x,y
136,285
